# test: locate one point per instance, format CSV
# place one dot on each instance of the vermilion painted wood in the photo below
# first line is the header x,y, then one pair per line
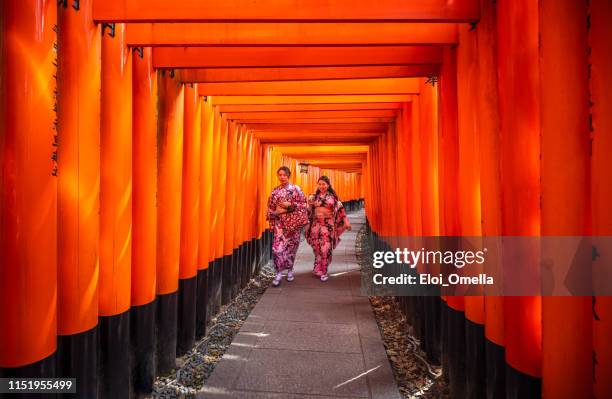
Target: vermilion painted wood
x,y
235,57
28,193
190,198
307,107
519,107
169,182
601,175
79,181
314,87
227,75
285,10
144,185
289,34
313,127
205,247
335,99
116,175
490,178
567,356
470,216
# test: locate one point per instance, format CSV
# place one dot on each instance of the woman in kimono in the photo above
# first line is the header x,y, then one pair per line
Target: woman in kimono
x,y
328,221
287,214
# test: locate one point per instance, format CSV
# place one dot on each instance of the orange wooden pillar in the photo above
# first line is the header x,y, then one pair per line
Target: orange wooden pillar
x,y
429,158
409,210
115,213
252,212
430,211
453,321
258,195
28,189
229,252
205,255
601,189
190,215
242,238
221,173
265,189
490,192
216,244
144,219
566,352
519,114
78,196
405,172
239,221
391,167
470,204
169,188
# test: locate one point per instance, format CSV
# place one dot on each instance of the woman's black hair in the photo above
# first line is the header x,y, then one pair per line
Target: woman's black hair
x,y
330,189
284,169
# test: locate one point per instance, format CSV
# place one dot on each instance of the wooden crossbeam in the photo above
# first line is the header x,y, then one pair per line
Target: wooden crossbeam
x,y
225,75
285,10
265,108
323,127
315,87
289,34
335,99
236,57
271,116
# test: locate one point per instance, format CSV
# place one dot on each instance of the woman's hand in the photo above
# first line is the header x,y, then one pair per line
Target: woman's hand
x,y
280,210
285,204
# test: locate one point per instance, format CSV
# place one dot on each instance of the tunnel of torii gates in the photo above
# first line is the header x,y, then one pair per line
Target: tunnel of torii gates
x,y
140,139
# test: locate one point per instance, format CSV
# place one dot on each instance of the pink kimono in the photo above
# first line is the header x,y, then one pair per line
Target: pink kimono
x,y
286,227
323,234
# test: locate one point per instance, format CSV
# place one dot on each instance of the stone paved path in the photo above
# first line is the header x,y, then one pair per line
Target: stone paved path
x,y
308,339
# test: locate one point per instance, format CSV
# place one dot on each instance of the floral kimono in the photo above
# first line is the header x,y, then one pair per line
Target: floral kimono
x,y
286,227
323,233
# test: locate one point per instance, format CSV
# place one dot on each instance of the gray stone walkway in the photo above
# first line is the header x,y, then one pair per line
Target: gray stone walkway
x,y
309,339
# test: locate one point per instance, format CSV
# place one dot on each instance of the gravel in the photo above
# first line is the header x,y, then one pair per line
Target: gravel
x,y
415,376
198,364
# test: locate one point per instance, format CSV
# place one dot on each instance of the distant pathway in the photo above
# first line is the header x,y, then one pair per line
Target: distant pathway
x,y
308,339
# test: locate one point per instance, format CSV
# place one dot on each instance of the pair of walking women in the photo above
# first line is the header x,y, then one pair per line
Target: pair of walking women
x,y
289,211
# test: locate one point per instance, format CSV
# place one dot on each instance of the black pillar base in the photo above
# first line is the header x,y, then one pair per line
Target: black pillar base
x,y
142,335
186,326
444,338
77,357
202,302
245,269
432,329
216,286
258,256
522,386
226,280
45,368
210,304
167,306
269,245
456,352
236,265
496,370
475,360
115,371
